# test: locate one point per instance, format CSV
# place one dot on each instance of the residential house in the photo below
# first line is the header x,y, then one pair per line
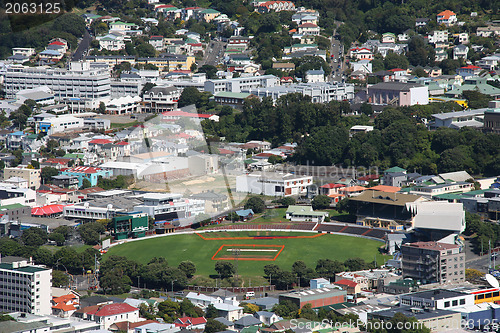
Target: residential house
x,y
208,15
362,53
274,6
157,42
460,52
65,305
308,29
191,323
90,173
488,31
469,70
266,317
160,99
247,321
447,17
109,314
313,76
388,37
421,22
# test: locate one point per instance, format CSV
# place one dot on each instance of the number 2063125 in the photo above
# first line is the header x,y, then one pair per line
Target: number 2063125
x,y
32,8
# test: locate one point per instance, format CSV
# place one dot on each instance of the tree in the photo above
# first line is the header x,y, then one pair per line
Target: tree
x,y
34,237
86,183
366,109
256,204
328,268
187,267
476,99
213,326
211,312
271,270
210,70
47,173
320,202
284,280
249,308
102,108
287,201
299,268
189,96
274,159
58,238
59,279
90,232
286,309
225,269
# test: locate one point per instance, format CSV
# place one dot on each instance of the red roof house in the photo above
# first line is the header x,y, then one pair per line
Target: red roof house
x,y
350,286
109,314
191,323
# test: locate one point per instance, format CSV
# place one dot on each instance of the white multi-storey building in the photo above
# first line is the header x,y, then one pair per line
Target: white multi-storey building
x,y
78,82
273,184
241,84
320,92
25,287
170,206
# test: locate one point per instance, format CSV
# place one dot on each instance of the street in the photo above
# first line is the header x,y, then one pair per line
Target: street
x,y
336,59
82,47
213,54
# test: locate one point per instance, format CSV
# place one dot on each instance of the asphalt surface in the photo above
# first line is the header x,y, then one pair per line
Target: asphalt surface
x,y
214,53
82,47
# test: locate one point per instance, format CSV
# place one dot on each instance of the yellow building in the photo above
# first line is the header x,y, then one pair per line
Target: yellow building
x,y
169,62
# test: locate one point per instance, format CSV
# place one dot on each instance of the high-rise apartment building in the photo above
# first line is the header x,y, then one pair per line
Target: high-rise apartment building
x,y
25,287
433,262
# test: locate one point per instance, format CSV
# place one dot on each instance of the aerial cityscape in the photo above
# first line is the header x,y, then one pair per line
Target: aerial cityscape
x,y
232,166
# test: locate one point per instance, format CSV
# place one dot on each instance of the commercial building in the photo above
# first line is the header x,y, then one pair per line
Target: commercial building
x,y
131,225
59,124
433,262
492,120
316,297
437,299
273,184
459,119
78,82
400,94
435,320
25,287
241,84
170,206
320,92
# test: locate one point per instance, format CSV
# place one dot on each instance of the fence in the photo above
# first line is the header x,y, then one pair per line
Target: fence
x,y
232,289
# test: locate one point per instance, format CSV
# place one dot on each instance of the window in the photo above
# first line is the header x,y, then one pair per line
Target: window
x,y
447,304
455,302
462,301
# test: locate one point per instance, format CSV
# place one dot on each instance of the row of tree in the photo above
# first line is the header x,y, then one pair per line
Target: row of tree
x,y
400,136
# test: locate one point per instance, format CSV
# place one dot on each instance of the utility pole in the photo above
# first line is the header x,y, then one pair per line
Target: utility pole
x,y
236,253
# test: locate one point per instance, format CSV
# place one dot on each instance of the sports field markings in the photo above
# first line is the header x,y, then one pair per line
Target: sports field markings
x,y
254,249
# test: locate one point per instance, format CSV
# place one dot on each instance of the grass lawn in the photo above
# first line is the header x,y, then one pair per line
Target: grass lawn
x,y
192,247
123,125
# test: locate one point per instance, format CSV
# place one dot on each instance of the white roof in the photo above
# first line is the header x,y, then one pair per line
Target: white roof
x,y
440,215
457,176
227,307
